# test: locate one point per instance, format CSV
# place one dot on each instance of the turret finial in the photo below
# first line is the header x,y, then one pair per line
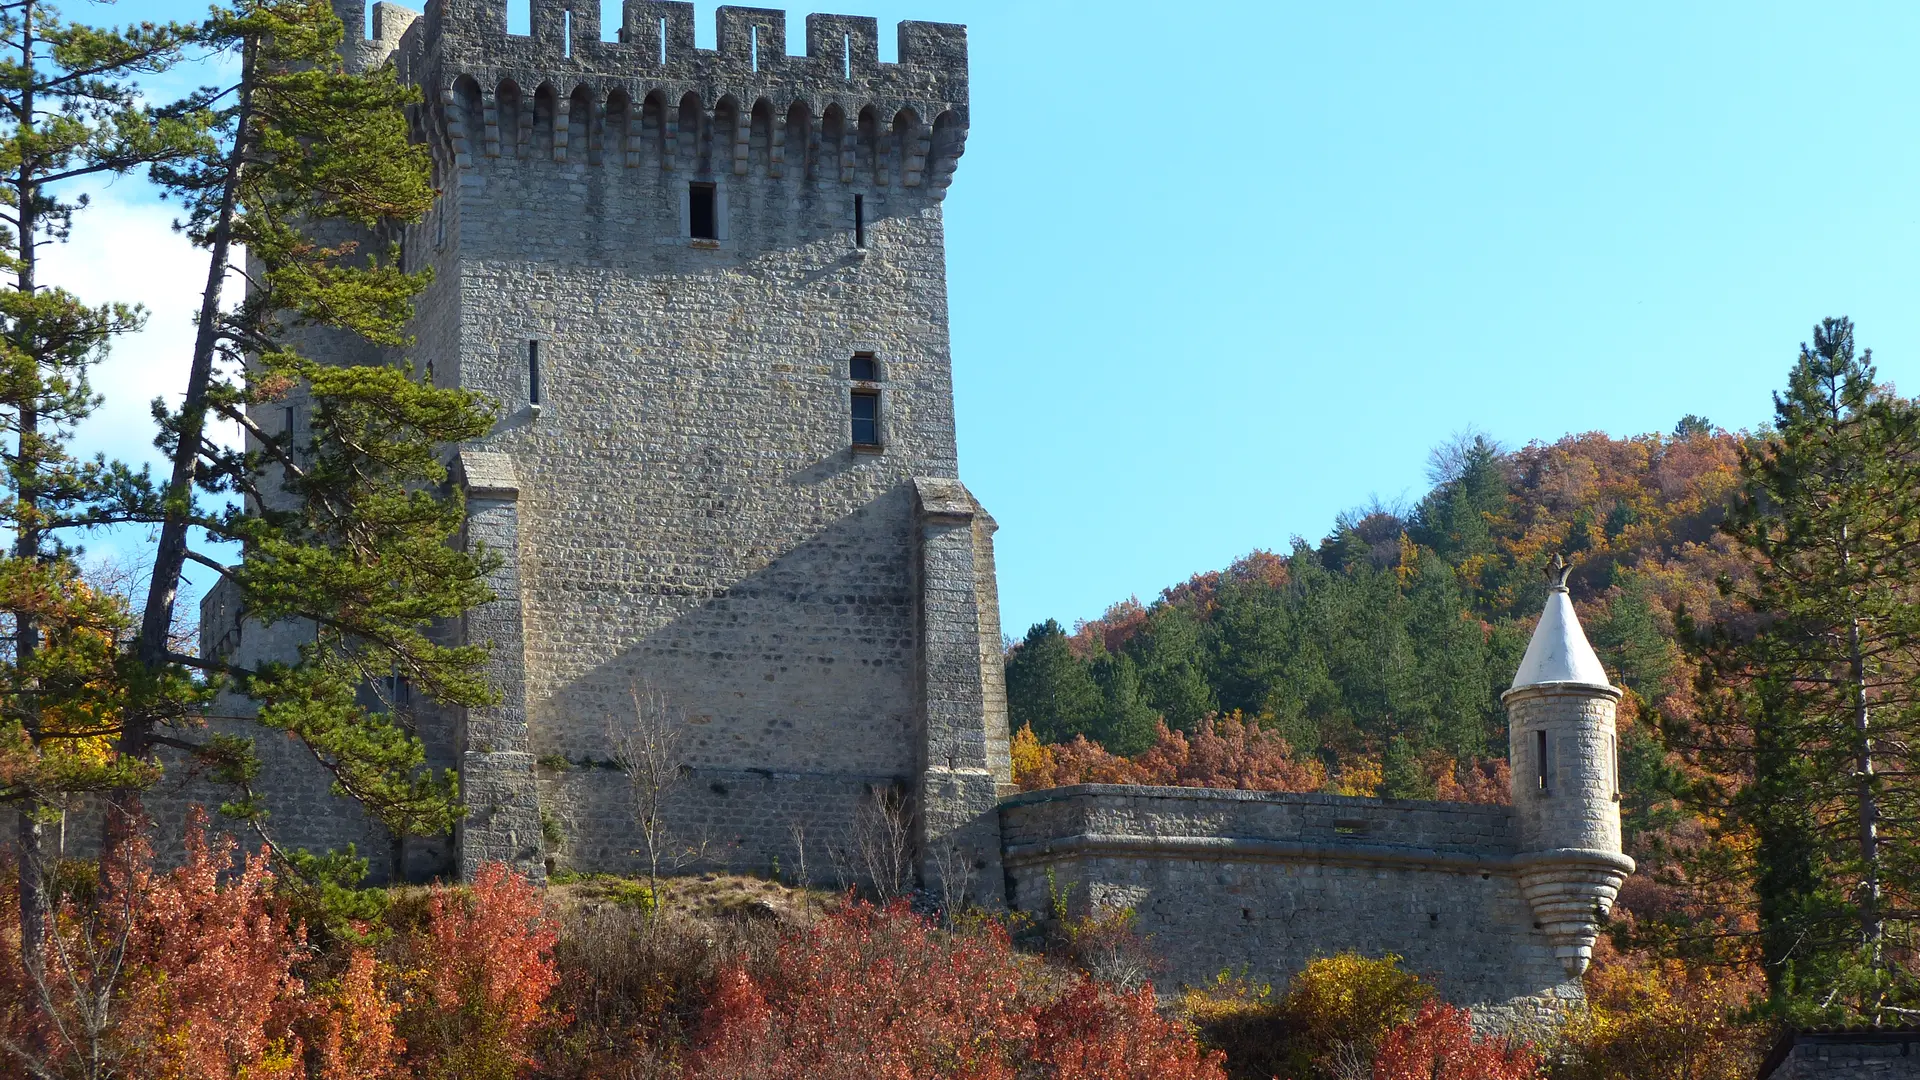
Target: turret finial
x,y
1557,571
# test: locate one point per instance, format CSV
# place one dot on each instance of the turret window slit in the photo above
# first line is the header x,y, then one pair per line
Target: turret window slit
x,y
533,373
1543,768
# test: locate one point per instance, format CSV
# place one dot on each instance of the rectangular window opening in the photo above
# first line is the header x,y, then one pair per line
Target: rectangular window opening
x,y
701,220
663,39
566,33
863,368
612,21
1540,757
753,46
866,418
846,55
533,373
859,221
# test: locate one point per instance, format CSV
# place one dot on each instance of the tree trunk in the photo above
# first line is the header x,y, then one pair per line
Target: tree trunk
x,y
1872,920
170,553
31,837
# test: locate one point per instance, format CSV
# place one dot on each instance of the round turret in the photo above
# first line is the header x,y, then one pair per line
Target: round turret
x,y
1566,780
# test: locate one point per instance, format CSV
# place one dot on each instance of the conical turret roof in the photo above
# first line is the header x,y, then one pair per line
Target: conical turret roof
x,y
1559,652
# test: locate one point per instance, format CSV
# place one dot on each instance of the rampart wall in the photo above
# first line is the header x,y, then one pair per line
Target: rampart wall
x,y
1225,880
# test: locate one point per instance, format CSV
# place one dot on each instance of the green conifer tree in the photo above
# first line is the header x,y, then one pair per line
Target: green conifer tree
x,y
1172,660
1049,689
1127,723
352,531
1811,710
70,111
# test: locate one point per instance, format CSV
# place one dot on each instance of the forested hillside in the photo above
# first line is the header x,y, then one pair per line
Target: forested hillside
x,y
1382,648
1756,594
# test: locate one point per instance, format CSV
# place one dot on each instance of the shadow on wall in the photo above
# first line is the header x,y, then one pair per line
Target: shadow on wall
x,y
797,687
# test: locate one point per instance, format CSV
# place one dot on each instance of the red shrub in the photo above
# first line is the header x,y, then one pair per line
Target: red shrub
x,y
181,976
1438,1044
1223,752
1229,752
877,993
870,992
210,989
479,982
1096,1033
1482,780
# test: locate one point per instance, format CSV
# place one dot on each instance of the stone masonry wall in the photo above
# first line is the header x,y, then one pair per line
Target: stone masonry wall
x,y
690,511
1854,1055
1225,879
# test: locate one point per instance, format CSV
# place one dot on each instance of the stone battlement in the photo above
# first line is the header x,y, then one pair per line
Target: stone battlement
x,y
654,48
652,98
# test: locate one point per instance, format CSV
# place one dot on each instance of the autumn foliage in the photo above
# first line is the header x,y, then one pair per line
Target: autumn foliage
x,y
1439,1044
478,979
1653,1018
1222,752
186,975
198,973
875,992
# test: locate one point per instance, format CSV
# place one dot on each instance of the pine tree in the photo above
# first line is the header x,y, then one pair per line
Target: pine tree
x,y
1128,725
1813,709
1049,689
351,532
70,110
1172,661
1470,486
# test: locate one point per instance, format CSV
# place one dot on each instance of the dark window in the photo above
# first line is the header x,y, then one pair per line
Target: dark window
x,y
859,221
700,215
1540,757
866,418
533,373
864,368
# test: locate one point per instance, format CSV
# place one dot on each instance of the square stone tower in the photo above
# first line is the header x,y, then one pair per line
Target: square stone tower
x,y
708,288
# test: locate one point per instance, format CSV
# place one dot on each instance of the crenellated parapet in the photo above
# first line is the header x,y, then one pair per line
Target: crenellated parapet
x,y
651,99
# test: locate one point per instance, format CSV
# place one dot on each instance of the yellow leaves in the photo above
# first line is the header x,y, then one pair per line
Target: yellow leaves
x,y
1649,1018
1030,759
1408,567
1360,775
64,702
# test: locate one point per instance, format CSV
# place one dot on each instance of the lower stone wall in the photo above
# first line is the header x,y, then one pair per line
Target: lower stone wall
x,y
1226,880
1855,1055
744,820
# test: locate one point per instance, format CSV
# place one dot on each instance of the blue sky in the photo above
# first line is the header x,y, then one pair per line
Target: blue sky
x,y
1220,271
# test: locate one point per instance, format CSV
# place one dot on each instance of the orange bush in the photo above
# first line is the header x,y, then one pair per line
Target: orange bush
x,y
1439,1044
186,975
479,979
357,1040
1097,1033
876,993
210,969
1481,780
1223,752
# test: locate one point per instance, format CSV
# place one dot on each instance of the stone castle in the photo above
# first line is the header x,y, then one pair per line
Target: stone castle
x,y
708,288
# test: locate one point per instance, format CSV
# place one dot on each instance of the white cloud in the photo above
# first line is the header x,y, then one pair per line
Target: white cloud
x,y
124,249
